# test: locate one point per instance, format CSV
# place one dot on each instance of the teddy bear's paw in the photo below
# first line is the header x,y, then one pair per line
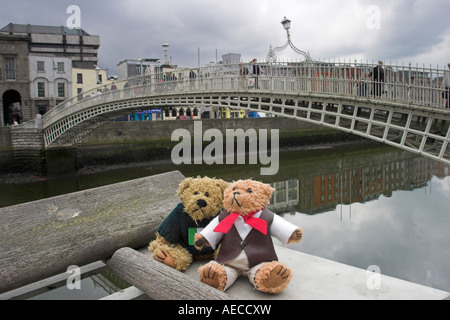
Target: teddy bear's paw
x,y
214,275
272,277
164,257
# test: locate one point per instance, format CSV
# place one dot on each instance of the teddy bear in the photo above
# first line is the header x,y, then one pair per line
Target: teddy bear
x,y
244,230
201,201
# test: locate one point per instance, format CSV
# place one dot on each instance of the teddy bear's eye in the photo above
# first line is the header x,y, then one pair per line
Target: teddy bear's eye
x,y
207,194
234,189
196,194
249,190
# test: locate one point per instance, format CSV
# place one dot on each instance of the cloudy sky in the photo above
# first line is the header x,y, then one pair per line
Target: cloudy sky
x,y
416,31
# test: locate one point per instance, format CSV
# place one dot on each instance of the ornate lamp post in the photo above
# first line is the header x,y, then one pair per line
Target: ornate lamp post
x,y
165,47
272,57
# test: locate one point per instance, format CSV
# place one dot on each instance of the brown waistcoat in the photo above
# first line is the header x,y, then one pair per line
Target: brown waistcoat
x,y
258,247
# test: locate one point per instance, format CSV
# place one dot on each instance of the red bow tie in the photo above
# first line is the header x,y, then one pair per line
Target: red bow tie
x,y
257,223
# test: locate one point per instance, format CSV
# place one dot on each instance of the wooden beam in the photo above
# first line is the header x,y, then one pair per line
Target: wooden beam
x,y
43,238
159,281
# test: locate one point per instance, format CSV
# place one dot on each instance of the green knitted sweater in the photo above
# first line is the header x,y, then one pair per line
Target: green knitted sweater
x,y
180,228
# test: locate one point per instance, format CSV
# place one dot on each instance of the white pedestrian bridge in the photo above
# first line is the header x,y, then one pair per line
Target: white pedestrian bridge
x,y
406,109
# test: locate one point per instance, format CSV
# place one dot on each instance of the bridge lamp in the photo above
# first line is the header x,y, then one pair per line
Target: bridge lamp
x,y
286,23
272,57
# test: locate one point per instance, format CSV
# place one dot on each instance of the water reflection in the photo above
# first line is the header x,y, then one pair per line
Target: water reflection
x,y
353,180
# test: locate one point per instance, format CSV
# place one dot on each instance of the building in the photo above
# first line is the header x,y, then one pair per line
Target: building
x,y
14,78
231,58
85,80
36,66
50,81
76,44
130,68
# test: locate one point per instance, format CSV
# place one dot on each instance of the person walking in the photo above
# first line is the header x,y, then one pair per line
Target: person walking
x,y
446,86
377,76
256,72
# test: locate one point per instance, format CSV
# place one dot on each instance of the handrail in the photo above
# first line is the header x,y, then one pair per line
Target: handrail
x,y
402,84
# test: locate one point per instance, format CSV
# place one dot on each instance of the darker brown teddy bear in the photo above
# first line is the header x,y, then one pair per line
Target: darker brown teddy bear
x,y
201,201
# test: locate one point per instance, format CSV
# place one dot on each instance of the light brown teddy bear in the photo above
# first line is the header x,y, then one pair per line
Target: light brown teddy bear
x,y
244,229
201,201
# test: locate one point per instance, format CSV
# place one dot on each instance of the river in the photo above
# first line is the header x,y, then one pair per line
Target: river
x,y
361,204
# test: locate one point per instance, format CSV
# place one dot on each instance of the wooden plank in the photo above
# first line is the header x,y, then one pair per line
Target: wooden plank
x,y
43,238
159,281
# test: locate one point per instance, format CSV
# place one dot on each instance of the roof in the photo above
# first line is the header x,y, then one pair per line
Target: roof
x,y
13,28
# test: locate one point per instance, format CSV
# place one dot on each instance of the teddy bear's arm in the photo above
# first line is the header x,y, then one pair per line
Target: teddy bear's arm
x,y
201,242
284,231
296,236
212,238
170,228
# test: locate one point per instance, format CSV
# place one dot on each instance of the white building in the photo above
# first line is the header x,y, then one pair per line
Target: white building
x,y
50,80
130,68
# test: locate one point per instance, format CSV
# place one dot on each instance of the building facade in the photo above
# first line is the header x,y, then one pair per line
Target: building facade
x,y
85,80
14,80
36,67
50,81
130,68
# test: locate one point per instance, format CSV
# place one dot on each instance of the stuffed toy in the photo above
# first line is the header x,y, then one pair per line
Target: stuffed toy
x,y
201,201
243,230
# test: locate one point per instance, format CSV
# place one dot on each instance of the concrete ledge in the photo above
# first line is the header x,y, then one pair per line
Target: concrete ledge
x,y
316,278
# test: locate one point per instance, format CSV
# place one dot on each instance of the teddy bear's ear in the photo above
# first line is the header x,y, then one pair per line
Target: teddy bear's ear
x,y
267,190
184,185
222,184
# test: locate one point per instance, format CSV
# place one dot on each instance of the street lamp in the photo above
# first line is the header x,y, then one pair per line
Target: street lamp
x,y
165,47
286,24
97,74
272,57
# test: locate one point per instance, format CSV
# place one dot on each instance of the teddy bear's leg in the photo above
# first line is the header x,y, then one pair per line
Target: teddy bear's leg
x,y
272,277
214,275
175,257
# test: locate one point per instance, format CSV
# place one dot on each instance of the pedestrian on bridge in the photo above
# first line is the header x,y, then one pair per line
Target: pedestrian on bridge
x,y
378,79
256,72
446,86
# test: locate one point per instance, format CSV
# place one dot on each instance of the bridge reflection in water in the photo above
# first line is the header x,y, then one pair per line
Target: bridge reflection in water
x,y
407,110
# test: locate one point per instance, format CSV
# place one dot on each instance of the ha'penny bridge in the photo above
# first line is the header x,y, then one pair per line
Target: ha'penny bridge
x,y
406,110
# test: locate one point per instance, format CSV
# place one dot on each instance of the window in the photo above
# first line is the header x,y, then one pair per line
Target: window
x,y
40,66
10,68
79,78
41,89
60,67
61,90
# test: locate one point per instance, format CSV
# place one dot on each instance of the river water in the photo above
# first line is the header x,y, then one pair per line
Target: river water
x,y
362,204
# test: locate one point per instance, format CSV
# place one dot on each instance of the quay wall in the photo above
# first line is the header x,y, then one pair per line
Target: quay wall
x,y
115,142
127,142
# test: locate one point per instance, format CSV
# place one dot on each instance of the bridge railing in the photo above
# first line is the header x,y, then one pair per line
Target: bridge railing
x,y
400,84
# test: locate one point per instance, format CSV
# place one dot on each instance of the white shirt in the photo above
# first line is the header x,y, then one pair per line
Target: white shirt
x,y
280,229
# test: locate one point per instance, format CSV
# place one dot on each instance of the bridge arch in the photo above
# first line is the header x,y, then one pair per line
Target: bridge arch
x,y
406,116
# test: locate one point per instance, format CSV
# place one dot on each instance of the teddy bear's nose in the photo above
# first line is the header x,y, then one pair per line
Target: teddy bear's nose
x,y
201,203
